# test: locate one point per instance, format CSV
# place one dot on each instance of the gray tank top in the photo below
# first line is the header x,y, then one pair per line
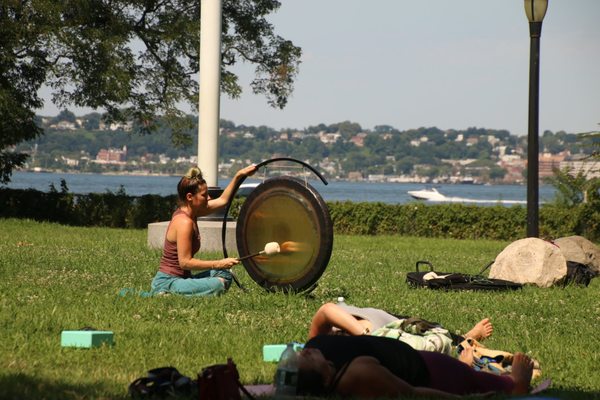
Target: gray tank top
x,y
377,317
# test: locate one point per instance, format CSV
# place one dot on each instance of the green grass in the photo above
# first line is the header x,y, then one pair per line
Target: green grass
x,y
55,278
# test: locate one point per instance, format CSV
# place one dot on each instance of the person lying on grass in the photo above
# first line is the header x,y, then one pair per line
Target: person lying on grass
x,y
182,241
378,367
418,333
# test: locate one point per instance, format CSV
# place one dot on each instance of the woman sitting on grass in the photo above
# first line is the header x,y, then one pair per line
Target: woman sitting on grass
x,y
182,241
377,367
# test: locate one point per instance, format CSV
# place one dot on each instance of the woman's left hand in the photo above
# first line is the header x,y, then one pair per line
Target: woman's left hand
x,y
221,201
248,171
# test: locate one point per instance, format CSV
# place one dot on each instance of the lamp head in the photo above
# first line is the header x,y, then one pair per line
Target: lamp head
x,y
536,10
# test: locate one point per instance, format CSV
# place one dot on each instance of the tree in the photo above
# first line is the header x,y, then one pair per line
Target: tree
x,y
136,59
92,121
591,140
573,189
21,75
347,129
65,115
497,173
406,164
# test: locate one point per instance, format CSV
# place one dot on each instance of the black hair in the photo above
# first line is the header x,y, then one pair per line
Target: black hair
x,y
310,383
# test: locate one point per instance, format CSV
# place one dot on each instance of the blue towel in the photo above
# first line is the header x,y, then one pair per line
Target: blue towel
x,y
135,292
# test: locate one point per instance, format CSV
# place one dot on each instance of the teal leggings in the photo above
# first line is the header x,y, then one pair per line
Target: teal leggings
x,y
205,283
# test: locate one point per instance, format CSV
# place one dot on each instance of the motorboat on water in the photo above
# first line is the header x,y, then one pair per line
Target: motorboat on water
x,y
427,194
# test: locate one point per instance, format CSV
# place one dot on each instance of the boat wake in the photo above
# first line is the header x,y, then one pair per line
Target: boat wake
x,y
482,201
433,195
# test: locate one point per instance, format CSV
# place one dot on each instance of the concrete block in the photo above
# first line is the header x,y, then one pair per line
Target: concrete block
x,y
210,235
86,339
272,352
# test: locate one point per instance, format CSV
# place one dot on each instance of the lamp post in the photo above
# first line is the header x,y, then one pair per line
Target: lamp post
x,y
535,11
209,80
209,93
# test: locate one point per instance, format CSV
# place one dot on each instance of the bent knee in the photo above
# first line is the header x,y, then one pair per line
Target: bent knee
x,y
328,307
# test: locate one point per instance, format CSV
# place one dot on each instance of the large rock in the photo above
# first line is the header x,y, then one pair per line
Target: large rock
x,y
530,261
581,250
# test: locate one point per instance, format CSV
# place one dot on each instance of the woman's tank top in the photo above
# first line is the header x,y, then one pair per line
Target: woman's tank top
x,y
169,262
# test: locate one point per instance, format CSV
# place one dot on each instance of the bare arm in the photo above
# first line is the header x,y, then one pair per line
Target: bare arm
x,y
181,230
223,199
330,315
367,378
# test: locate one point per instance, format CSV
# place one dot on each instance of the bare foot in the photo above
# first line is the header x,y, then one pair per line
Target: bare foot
x,y
466,356
482,330
522,370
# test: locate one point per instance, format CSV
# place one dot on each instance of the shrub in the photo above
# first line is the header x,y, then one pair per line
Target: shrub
x,y
457,221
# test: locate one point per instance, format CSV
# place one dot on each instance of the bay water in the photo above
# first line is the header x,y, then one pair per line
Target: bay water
x,y
391,193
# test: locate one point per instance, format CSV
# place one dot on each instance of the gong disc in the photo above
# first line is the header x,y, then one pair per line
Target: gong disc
x,y
290,212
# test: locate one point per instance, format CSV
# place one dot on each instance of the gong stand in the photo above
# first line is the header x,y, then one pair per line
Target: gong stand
x,y
289,211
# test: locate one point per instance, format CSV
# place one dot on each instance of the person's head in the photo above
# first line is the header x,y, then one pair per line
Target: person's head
x,y
190,184
313,372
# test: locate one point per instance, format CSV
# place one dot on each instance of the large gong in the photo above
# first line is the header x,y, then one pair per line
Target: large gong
x,y
290,212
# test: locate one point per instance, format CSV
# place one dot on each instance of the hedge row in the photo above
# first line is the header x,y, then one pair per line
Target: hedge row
x,y
459,221
463,221
115,210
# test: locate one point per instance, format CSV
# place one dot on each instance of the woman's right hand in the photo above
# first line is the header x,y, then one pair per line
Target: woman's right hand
x,y
226,263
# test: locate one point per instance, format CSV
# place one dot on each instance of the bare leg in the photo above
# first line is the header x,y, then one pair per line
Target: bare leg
x,y
450,375
522,370
482,330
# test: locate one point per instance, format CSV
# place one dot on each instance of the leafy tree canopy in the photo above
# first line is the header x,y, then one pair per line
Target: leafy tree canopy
x,y
65,115
136,59
574,188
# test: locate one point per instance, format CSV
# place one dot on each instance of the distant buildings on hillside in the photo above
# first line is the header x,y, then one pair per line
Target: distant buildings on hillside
x,y
79,123
112,156
501,157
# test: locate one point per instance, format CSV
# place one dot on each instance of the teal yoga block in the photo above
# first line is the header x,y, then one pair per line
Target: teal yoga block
x,y
272,352
86,339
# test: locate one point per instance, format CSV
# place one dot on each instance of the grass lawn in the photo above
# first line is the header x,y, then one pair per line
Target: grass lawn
x,y
55,278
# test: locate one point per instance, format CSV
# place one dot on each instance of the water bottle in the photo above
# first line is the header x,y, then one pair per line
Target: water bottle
x,y
286,377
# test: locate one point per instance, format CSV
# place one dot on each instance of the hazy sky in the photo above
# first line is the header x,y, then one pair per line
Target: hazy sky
x,y
444,63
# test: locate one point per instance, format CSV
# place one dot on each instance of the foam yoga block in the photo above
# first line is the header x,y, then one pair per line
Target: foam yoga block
x,y
272,352
85,339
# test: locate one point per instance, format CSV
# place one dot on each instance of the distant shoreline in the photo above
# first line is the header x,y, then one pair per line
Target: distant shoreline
x,y
109,173
136,184
141,173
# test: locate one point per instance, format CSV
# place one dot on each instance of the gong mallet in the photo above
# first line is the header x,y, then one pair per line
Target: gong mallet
x,y
271,248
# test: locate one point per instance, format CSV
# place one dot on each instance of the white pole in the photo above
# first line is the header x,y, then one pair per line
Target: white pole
x,y
210,82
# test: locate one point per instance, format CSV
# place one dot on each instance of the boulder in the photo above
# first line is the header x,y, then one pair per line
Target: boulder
x,y
581,250
530,261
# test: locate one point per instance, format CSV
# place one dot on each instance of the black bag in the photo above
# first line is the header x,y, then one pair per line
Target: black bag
x,y
578,274
162,383
456,281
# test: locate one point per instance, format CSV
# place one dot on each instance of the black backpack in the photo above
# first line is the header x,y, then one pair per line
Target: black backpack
x,y
578,274
456,281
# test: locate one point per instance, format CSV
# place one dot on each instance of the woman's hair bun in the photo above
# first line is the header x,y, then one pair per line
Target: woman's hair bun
x,y
194,173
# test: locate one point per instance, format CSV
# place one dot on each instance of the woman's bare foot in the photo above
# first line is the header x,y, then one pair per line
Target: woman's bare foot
x,y
482,330
522,370
466,356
